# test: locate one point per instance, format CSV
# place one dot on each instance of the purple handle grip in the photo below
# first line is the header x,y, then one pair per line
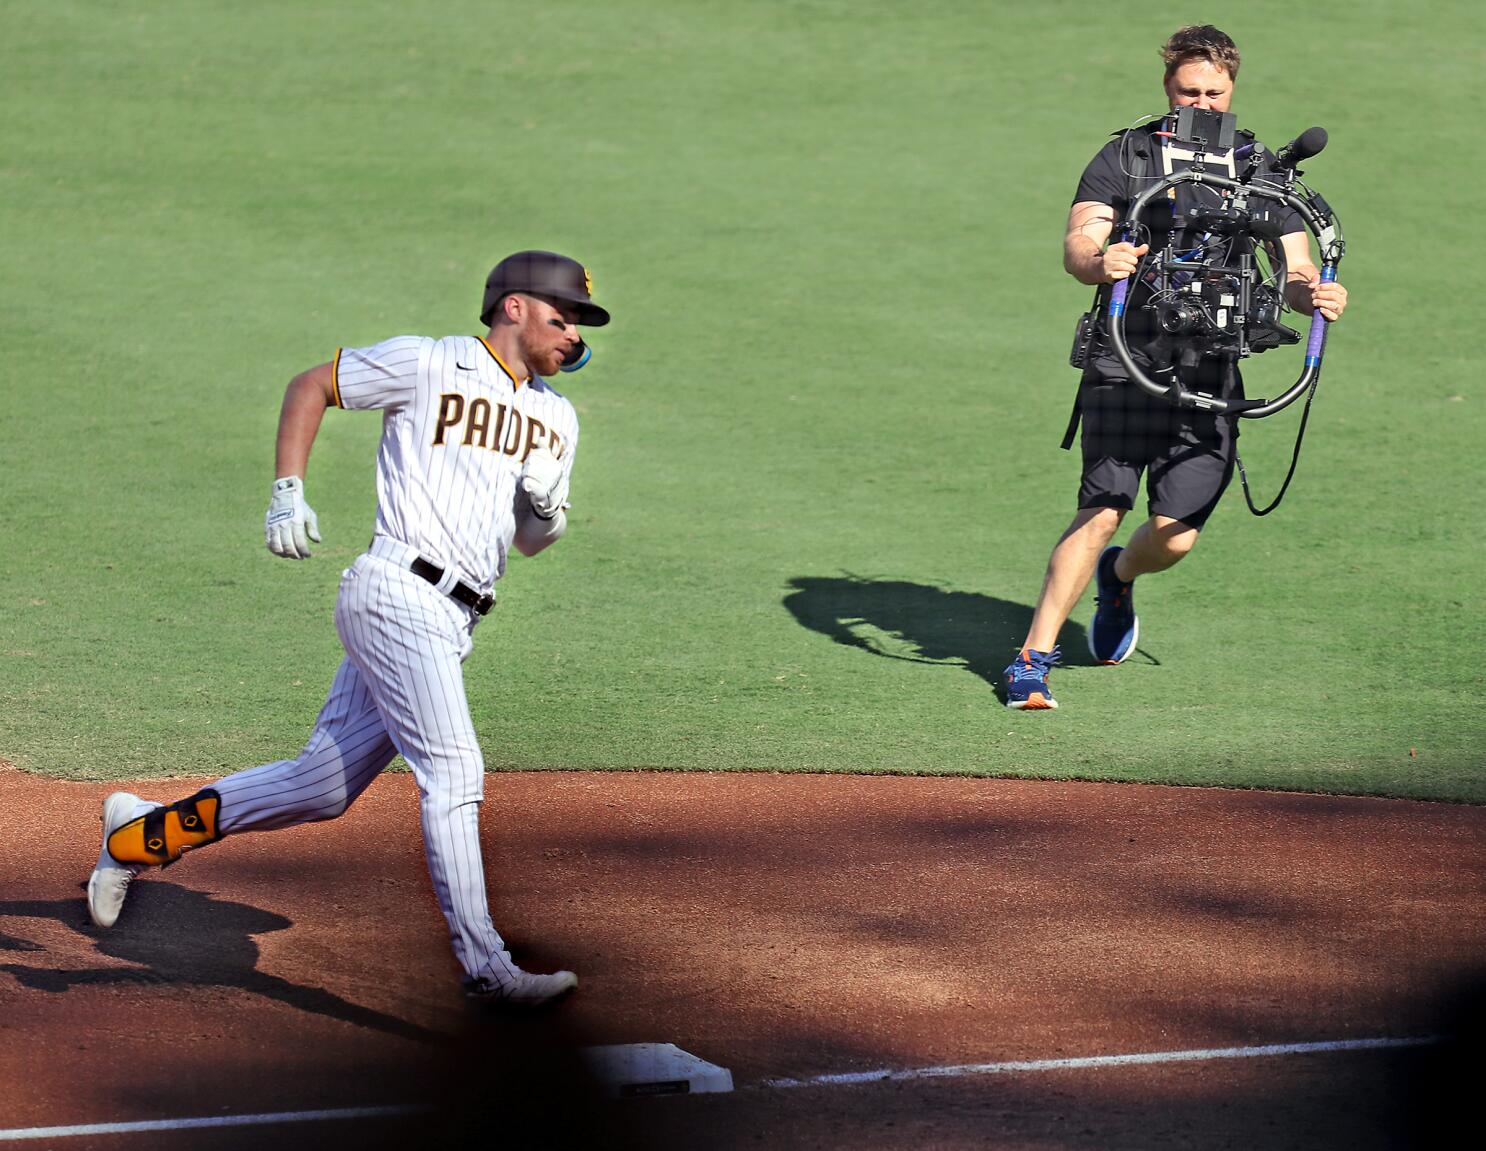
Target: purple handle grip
x,y
1317,341
1121,287
1319,323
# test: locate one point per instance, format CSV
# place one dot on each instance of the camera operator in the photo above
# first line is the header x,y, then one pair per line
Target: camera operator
x,y
1186,455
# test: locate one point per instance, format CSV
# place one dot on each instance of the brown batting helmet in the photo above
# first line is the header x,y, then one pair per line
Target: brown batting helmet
x,y
543,274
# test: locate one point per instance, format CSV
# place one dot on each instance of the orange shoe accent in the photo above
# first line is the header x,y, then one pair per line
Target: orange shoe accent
x,y
162,836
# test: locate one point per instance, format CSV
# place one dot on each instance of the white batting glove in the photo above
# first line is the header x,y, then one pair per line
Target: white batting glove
x,y
290,520
543,481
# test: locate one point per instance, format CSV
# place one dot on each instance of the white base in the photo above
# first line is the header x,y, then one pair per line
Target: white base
x,y
628,1070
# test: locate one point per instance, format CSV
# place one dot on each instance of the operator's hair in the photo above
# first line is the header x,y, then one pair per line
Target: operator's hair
x,y
1200,42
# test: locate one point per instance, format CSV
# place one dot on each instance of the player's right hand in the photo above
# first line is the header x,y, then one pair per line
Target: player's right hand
x,y
1121,259
290,520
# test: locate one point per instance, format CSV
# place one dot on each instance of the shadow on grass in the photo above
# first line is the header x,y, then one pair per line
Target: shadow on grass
x,y
924,623
176,936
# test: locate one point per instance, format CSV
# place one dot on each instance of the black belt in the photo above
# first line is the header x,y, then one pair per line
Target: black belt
x,y
460,591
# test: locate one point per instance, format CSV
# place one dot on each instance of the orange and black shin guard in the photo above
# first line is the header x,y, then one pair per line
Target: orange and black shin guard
x,y
162,836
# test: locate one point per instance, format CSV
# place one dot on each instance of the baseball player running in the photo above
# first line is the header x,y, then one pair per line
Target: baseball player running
x,y
476,454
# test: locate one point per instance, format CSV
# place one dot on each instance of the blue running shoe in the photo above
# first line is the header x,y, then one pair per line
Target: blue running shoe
x,y
1026,680
1116,627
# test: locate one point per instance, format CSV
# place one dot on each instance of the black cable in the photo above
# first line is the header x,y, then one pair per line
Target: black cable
x,y
1305,415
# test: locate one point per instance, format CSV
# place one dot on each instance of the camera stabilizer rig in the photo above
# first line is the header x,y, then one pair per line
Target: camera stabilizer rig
x,y
1224,296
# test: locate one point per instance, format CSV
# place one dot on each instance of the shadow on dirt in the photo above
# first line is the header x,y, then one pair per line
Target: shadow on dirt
x,y
176,936
496,1071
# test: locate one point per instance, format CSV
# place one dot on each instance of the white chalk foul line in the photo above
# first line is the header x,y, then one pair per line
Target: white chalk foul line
x,y
964,1069
1138,1058
19,1133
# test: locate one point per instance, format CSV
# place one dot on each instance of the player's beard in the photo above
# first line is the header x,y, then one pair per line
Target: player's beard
x,y
551,361
541,358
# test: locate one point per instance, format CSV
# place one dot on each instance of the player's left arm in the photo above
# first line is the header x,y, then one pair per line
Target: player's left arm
x,y
541,500
1304,289
535,533
542,492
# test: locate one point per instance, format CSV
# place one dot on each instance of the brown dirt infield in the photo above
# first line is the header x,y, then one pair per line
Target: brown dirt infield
x,y
781,926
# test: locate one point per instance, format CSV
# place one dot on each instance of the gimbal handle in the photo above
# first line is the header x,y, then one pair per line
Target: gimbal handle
x,y
1328,235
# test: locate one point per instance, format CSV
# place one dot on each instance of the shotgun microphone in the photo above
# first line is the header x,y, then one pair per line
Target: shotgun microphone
x,y
1303,147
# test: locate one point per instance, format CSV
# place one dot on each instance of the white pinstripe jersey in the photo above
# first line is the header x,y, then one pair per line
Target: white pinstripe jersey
x,y
456,426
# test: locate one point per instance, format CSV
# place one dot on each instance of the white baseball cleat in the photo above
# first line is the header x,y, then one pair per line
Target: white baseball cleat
x,y
110,881
524,990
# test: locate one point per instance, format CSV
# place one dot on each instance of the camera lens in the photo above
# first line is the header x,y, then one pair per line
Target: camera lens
x,y
1177,319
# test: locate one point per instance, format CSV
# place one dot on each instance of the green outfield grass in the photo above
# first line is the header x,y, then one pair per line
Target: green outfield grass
x,y
819,474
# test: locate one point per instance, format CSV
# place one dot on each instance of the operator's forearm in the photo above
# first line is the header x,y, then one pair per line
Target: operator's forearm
x,y
1298,289
1304,277
1083,259
305,401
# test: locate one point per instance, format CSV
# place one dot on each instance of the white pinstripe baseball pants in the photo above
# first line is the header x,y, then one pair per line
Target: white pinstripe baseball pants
x,y
399,689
